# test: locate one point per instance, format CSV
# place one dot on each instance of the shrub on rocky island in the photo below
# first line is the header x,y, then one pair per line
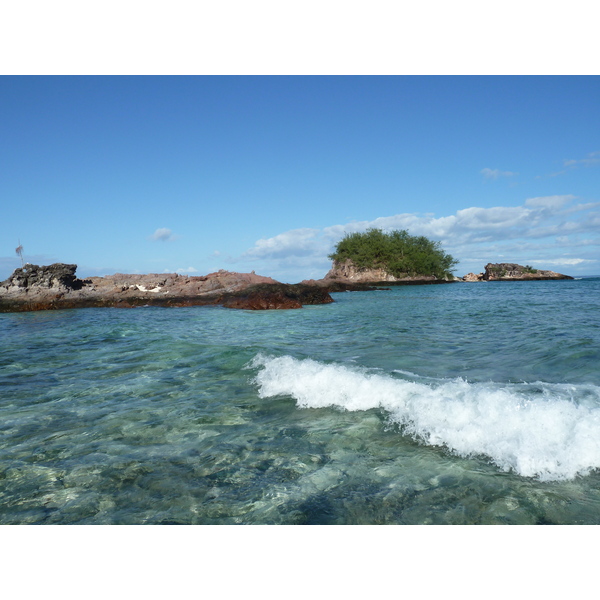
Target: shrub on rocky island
x,y
400,254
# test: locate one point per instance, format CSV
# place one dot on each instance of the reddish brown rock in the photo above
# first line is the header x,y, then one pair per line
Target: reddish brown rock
x,y
56,287
281,295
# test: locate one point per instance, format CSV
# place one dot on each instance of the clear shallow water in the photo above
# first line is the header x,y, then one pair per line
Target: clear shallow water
x,y
464,403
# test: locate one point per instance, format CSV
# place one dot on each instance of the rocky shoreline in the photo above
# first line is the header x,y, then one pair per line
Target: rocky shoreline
x,y
56,286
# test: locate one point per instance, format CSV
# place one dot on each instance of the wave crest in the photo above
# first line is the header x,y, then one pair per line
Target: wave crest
x,y
548,431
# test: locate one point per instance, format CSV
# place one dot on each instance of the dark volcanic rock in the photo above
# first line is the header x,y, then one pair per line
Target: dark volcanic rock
x,y
57,276
275,296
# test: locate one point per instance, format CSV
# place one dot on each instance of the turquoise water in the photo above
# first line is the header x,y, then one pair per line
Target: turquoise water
x,y
458,404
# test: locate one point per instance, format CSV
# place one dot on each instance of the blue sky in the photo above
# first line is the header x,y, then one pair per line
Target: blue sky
x,y
266,173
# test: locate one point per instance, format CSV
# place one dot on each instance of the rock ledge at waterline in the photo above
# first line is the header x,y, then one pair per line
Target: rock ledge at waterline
x,y
55,286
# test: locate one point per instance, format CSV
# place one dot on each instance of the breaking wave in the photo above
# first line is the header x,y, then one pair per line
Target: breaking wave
x,y
542,430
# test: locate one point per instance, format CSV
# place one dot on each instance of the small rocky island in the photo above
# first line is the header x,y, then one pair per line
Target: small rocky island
x,y
346,271
397,258
513,272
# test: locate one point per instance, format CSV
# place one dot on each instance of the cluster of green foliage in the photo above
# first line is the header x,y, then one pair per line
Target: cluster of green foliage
x,y
397,252
528,269
498,272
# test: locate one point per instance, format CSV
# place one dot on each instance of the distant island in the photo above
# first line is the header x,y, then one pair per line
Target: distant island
x,y
375,256
513,272
361,262
396,258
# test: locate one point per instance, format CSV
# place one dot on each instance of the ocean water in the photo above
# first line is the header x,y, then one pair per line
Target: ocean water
x,y
438,404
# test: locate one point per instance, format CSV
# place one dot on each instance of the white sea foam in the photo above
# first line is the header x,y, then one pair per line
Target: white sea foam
x,y
548,431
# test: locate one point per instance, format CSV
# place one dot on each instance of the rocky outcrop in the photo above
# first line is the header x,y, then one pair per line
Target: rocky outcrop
x,y
275,296
347,271
473,277
340,285
514,272
59,277
56,287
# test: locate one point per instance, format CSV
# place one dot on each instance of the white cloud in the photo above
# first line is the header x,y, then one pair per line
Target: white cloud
x,y
188,270
552,202
545,223
296,242
580,207
163,234
496,173
491,218
593,158
568,261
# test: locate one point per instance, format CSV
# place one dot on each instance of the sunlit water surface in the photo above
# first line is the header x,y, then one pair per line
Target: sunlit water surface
x,y
458,404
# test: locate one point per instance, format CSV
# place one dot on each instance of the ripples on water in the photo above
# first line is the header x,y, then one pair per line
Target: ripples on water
x,y
465,403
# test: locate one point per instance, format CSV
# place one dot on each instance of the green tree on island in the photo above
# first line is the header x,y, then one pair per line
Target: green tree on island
x,y
397,252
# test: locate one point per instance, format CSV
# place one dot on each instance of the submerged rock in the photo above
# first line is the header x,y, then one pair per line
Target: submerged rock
x,y
276,296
